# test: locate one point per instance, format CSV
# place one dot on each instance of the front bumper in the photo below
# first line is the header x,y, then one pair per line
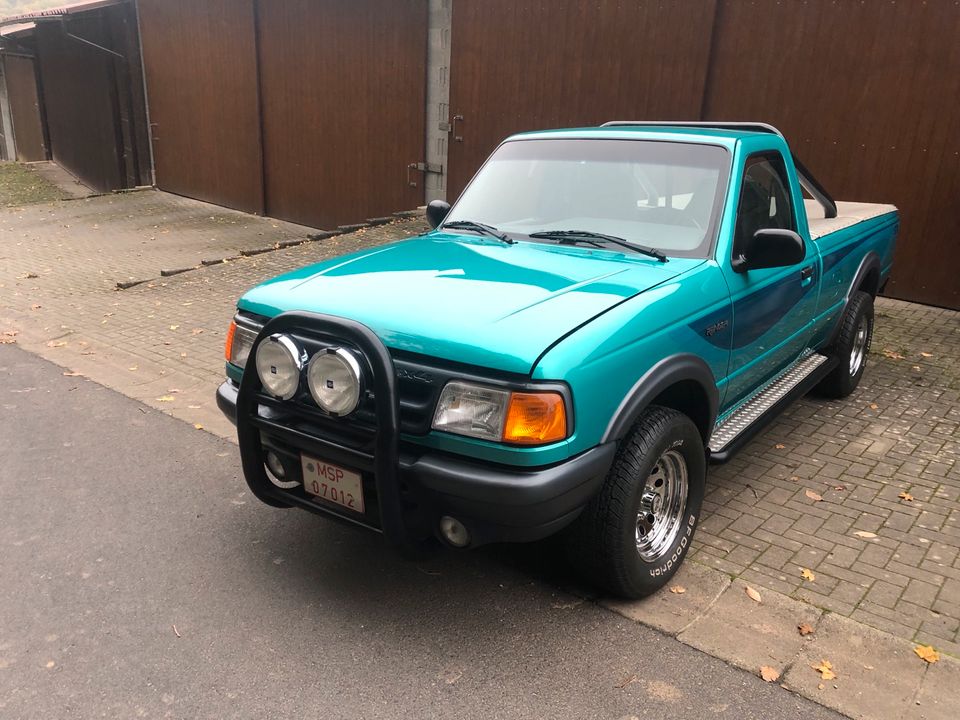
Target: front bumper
x,y
496,503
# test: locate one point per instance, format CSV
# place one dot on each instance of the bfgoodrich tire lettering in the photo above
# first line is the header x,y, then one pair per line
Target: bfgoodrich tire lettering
x,y
605,542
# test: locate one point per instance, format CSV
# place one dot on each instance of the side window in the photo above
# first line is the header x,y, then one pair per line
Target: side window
x,y
764,198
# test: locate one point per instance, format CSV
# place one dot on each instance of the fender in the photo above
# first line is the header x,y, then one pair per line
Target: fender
x,y
667,372
870,262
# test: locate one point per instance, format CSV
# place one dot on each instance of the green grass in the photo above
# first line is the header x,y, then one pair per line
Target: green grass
x,y
21,185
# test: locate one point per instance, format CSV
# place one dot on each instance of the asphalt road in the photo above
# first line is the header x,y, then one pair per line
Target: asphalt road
x,y
139,578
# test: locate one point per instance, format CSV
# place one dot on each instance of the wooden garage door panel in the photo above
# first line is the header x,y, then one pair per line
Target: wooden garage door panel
x,y
881,130
343,88
200,62
528,64
24,108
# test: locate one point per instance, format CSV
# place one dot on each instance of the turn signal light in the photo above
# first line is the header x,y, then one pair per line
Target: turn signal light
x,y
228,350
535,419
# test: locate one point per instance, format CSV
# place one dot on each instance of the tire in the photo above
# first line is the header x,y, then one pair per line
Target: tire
x,y
851,348
610,544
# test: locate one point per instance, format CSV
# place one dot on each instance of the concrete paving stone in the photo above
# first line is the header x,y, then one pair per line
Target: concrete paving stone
x,y
749,634
878,675
939,696
671,612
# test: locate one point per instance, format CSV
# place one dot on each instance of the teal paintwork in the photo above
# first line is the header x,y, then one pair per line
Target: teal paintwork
x,y
467,298
595,319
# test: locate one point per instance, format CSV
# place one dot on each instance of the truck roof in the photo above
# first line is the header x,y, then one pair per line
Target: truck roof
x,y
698,132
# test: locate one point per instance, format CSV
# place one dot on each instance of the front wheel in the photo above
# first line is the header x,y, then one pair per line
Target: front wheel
x,y
634,534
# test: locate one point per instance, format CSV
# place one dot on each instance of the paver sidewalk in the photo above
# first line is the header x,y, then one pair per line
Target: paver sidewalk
x,y
864,492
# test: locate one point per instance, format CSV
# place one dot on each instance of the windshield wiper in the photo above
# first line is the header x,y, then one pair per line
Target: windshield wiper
x,y
481,228
590,237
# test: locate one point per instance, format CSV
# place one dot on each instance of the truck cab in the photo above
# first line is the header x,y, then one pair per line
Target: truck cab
x,y
602,313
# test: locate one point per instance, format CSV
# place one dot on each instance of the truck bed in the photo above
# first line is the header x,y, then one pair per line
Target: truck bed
x,y
848,213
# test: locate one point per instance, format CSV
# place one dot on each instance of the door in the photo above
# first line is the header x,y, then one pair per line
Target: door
x,y
343,87
25,108
200,61
773,308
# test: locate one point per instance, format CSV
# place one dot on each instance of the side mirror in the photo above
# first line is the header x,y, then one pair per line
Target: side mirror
x,y
770,248
436,211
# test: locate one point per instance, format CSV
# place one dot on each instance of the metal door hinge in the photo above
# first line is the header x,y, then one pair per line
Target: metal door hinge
x,y
424,168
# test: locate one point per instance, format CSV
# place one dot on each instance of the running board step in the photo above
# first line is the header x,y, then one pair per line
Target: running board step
x,y
768,402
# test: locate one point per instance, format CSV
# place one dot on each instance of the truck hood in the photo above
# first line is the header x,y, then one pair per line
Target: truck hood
x,y
467,298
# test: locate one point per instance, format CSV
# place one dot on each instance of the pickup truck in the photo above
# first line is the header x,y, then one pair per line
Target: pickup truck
x,y
602,313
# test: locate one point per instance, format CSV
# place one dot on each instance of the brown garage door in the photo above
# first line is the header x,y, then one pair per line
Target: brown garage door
x,y
343,88
528,64
200,61
869,95
24,108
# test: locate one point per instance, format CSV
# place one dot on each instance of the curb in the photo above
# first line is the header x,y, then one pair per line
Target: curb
x,y
878,675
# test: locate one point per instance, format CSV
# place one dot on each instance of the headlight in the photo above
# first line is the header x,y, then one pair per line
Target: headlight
x,y
240,339
521,418
334,380
279,363
472,410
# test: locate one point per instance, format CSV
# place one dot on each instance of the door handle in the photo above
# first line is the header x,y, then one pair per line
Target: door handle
x,y
806,275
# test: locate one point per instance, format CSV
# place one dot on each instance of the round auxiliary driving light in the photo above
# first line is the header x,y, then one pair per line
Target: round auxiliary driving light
x,y
279,363
333,377
454,531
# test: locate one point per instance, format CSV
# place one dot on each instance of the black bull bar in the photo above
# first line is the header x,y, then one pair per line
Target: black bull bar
x,y
385,460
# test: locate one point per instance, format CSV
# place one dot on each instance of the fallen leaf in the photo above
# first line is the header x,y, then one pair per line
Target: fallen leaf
x,y
926,652
72,374
6,340
865,534
56,344
874,406
753,594
198,426
11,333
825,668
926,354
816,497
807,574
29,276
821,686
805,629
794,478
905,496
839,488
166,398
133,368
780,446
677,589
174,327
893,355
769,674
194,407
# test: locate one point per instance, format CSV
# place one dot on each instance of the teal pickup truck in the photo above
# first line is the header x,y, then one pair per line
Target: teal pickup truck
x,y
602,313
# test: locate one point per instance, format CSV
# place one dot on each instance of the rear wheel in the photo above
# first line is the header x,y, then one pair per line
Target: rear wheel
x,y
850,348
634,534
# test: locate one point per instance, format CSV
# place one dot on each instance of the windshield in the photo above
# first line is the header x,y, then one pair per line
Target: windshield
x,y
662,195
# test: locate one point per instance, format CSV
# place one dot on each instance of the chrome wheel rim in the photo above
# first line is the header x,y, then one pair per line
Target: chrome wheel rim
x,y
662,504
859,349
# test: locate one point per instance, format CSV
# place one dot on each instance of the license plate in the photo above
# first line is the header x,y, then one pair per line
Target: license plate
x,y
332,483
